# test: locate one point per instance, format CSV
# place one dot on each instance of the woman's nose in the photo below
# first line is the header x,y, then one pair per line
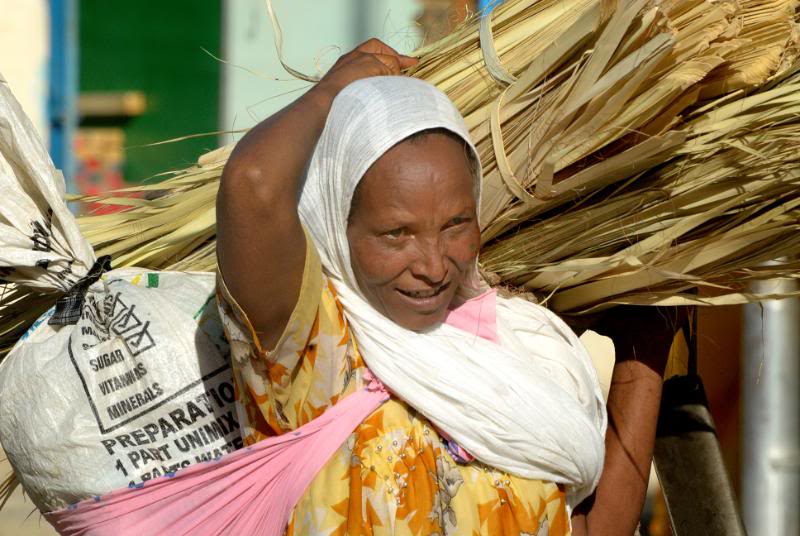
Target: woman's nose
x,y
431,261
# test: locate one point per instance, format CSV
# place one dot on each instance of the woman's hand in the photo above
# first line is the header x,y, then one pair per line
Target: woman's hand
x,y
642,333
371,58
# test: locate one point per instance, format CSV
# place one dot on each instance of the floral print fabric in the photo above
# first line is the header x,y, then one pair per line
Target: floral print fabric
x,y
394,475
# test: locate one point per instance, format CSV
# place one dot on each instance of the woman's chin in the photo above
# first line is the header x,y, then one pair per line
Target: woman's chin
x,y
412,313
419,320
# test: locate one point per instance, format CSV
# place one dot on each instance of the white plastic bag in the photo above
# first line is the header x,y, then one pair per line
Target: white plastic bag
x,y
139,386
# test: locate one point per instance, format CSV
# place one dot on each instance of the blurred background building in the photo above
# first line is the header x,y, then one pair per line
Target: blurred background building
x,y
105,82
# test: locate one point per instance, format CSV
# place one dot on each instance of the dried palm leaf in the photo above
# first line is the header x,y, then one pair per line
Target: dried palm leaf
x,y
7,487
608,176
710,218
571,98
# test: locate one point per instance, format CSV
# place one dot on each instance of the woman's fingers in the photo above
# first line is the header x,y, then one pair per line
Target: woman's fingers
x,y
390,62
360,64
378,47
407,61
371,58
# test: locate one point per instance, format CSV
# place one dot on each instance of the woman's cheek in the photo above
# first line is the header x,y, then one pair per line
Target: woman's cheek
x,y
381,263
475,239
465,248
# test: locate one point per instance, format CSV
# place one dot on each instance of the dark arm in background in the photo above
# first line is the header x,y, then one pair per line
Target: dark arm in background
x,y
642,338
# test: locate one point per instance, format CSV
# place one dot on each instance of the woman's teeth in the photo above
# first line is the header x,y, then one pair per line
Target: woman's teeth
x,y
421,294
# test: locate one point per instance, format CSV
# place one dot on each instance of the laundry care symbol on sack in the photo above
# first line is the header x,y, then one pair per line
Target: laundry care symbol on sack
x,y
123,323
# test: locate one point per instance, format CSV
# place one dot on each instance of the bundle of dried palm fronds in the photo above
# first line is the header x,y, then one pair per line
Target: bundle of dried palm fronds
x,y
633,151
710,218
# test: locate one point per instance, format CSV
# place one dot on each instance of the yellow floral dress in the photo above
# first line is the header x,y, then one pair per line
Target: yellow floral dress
x,y
394,475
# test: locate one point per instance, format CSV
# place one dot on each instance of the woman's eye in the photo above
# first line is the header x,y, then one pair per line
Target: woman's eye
x,y
458,220
394,233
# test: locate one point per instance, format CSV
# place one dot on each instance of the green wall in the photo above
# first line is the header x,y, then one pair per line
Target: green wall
x,y
155,46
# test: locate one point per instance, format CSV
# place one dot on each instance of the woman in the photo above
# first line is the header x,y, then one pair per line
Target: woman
x,y
385,273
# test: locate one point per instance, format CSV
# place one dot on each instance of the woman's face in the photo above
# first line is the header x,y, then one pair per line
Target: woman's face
x,y
413,229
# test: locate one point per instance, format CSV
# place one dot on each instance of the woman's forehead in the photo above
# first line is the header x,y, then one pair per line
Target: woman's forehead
x,y
424,173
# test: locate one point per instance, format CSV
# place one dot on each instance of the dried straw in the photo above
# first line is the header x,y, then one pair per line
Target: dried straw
x,y
709,219
634,151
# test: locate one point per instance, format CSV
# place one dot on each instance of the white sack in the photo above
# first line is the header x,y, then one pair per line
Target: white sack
x,y
133,391
40,244
139,387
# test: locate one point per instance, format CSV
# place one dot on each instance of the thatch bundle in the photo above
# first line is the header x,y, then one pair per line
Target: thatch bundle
x,y
634,151
709,219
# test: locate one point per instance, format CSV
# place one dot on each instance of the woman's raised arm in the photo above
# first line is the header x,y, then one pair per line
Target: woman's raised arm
x,y
642,338
260,242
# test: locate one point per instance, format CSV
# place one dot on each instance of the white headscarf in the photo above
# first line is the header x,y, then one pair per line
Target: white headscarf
x,y
530,406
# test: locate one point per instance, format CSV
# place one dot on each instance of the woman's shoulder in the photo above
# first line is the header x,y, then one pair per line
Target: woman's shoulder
x,y
313,364
240,329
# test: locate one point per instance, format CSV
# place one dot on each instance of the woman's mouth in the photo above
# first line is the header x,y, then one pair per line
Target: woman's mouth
x,y
425,300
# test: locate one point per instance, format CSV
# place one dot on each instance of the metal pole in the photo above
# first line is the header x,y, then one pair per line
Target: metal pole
x,y
771,413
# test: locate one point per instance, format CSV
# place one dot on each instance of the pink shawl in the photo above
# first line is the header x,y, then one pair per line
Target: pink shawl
x,y
251,491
